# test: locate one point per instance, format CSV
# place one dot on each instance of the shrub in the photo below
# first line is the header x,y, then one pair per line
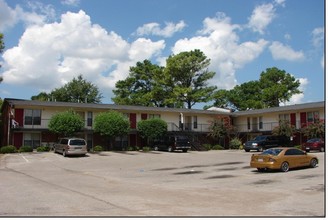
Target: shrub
x,y
98,148
207,146
235,143
8,149
217,147
43,149
146,149
26,149
132,148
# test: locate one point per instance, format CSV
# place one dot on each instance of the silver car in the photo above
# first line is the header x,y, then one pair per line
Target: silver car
x,y
71,146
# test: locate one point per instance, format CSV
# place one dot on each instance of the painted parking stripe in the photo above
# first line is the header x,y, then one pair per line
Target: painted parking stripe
x,y
27,161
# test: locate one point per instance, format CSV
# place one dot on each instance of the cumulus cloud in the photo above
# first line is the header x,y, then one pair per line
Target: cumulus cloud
x,y
51,54
71,2
280,51
155,29
261,17
298,98
38,14
317,37
219,40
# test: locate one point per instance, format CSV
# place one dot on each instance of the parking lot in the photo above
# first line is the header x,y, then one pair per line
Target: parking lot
x,y
212,183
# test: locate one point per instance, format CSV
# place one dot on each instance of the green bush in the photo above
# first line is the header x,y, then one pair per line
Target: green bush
x,y
132,148
235,143
98,148
146,149
217,147
26,149
298,146
207,146
43,149
8,149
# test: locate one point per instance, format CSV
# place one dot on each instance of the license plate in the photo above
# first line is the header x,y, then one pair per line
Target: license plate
x,y
77,148
260,160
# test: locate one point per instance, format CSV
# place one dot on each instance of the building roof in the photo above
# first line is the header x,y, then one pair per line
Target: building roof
x,y
22,102
296,107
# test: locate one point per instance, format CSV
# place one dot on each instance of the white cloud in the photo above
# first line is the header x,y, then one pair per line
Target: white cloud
x,y
261,17
71,2
39,14
280,51
318,37
219,41
154,29
50,55
298,98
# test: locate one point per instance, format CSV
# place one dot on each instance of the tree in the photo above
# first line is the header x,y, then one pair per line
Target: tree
x,y
66,123
141,87
111,124
77,90
187,74
315,129
152,128
274,87
284,129
277,87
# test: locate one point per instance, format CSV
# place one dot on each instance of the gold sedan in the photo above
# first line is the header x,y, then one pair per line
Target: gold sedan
x,y
282,158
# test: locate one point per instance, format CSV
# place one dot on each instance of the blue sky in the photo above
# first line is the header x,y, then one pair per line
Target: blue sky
x,y
49,42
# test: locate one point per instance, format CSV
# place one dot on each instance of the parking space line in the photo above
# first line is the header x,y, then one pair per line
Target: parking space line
x,y
27,161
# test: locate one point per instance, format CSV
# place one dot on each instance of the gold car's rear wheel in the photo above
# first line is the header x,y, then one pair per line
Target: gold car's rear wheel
x,y
313,163
284,167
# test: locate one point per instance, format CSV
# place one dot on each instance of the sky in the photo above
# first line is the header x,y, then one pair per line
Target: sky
x,y
49,42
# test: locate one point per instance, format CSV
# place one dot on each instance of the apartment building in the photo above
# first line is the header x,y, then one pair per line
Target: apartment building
x,y
25,122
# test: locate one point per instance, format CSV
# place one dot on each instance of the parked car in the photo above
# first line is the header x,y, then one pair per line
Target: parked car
x,y
282,158
263,142
314,144
172,143
71,146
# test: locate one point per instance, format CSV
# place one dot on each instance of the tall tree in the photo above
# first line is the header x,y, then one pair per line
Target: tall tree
x,y
77,90
274,87
142,86
277,86
187,74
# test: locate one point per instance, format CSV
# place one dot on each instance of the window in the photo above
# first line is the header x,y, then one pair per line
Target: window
x,y
284,117
89,120
154,116
195,122
248,123
260,122
312,116
32,117
32,139
294,152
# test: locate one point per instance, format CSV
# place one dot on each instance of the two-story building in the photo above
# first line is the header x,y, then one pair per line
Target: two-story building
x,y
25,122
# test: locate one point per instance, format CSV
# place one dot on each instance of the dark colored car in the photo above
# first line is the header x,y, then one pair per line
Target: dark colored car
x,y
317,144
263,142
172,143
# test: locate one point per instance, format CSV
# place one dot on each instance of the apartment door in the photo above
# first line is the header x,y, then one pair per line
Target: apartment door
x,y
254,124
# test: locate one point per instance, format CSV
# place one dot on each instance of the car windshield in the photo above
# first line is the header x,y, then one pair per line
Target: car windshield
x,y
77,142
259,138
274,152
313,140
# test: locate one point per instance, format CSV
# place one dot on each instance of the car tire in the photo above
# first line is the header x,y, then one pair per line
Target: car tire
x,y
261,169
64,153
185,150
284,167
313,163
247,150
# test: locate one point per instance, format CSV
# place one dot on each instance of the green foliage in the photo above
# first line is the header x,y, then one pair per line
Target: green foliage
x,y
284,129
97,148
133,148
111,124
217,147
25,149
43,149
66,123
315,129
207,146
235,143
8,149
146,149
274,86
152,128
77,90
